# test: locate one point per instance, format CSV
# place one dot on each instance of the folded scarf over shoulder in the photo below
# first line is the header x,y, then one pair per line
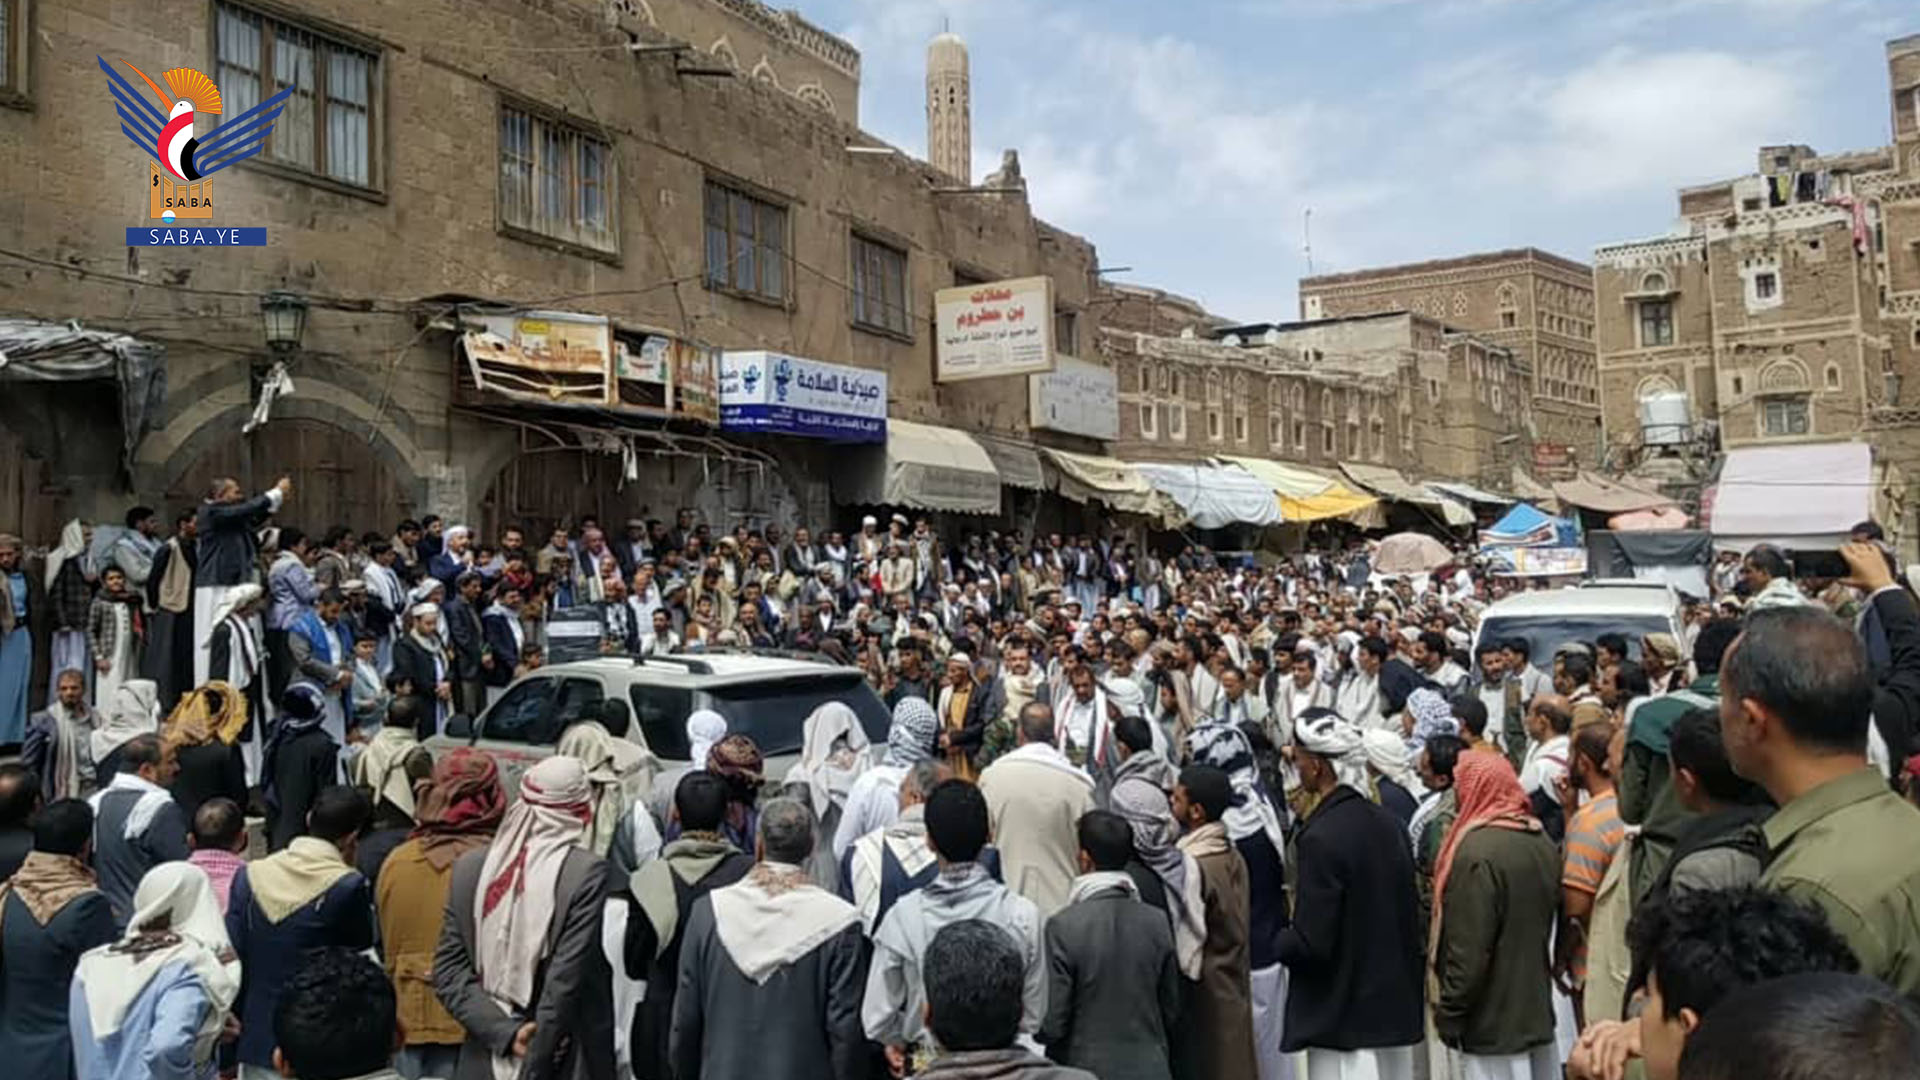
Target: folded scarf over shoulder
x,y
46,884
774,916
290,880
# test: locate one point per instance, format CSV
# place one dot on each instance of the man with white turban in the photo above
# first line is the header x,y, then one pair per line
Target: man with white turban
x,y
705,728
1354,949
520,963
1391,772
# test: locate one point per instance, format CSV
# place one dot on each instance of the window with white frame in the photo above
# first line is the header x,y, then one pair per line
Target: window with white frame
x,y
1146,378
1177,420
1276,430
1149,415
880,295
746,244
328,125
1656,323
556,180
1785,416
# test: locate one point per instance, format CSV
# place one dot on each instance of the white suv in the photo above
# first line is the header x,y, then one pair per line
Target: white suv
x,y
766,696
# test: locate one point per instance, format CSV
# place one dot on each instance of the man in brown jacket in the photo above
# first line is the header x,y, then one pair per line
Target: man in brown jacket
x,y
1216,1034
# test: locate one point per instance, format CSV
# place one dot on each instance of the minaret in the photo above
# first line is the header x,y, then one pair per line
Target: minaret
x,y
949,108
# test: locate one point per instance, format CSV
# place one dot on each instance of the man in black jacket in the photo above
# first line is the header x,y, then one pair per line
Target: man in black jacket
x,y
1896,697
1355,950
468,638
1113,983
226,552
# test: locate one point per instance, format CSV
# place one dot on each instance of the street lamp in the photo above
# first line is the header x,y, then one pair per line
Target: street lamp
x,y
283,316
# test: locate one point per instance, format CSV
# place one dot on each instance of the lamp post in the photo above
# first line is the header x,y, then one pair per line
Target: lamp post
x,y
283,322
283,318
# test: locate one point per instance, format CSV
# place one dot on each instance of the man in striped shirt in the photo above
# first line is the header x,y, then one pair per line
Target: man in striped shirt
x,y
1594,834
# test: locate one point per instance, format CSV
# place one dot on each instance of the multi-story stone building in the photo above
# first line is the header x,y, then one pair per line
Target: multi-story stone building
x,y
681,167
1393,389
1786,303
1537,305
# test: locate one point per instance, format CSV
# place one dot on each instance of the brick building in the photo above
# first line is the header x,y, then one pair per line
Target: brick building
x,y
681,165
1786,303
1536,305
1393,389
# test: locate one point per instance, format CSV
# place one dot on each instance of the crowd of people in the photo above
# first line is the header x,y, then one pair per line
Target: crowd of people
x,y
1139,813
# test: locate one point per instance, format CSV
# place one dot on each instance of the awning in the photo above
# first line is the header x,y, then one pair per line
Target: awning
x,y
1591,491
1088,477
1215,496
1469,493
1304,495
1389,484
927,468
32,350
1017,462
1531,490
1798,496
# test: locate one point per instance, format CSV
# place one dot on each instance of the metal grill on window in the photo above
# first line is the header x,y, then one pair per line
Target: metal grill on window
x,y
556,181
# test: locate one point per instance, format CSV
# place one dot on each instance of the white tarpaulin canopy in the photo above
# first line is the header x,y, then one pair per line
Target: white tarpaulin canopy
x,y
1215,496
1017,462
1803,496
927,468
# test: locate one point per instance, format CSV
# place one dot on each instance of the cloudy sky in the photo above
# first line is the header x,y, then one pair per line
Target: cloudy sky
x,y
1188,139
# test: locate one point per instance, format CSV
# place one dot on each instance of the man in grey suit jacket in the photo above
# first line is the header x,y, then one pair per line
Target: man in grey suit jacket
x,y
564,1029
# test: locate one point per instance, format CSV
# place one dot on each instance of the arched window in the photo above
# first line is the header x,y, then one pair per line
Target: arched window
x,y
722,51
813,95
1653,282
1213,388
1833,376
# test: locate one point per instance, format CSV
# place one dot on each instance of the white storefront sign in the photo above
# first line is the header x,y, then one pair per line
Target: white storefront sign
x,y
1075,397
1000,328
788,395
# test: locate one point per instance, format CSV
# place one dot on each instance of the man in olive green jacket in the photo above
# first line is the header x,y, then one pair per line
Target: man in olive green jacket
x,y
1499,897
1796,697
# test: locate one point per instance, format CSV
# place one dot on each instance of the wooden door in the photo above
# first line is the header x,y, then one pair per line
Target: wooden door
x,y
337,478
32,506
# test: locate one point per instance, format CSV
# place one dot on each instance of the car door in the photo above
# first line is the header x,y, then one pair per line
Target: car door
x,y
508,732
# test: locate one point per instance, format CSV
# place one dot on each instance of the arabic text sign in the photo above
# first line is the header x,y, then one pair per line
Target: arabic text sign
x,y
1075,397
773,392
1001,328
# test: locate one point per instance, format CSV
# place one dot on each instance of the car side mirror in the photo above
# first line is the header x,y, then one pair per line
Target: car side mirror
x,y
460,727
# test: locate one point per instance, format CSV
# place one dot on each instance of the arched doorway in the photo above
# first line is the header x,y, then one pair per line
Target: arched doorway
x,y
337,478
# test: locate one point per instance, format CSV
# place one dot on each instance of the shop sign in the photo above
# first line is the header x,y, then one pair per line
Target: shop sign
x,y
1077,398
788,395
1000,328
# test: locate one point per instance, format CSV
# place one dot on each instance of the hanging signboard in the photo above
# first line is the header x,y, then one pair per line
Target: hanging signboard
x,y
1076,397
772,392
696,381
560,357
1000,328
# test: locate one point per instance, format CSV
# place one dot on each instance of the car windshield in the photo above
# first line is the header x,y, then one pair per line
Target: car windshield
x,y
774,714
1545,635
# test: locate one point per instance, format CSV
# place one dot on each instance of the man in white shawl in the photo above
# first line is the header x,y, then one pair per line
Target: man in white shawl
x,y
524,914
834,754
68,643
153,1004
236,656
137,823
873,802
776,955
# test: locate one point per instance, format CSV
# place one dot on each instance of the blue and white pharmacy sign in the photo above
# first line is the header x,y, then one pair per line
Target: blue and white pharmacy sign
x,y
785,395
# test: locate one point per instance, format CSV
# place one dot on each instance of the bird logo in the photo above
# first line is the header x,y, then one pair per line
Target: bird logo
x,y
183,153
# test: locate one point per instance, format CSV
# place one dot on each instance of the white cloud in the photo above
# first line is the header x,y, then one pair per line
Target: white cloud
x,y
1630,120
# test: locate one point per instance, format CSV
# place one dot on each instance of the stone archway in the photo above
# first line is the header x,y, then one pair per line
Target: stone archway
x,y
338,479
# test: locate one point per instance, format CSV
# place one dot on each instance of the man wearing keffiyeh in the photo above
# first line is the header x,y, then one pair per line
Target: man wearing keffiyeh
x,y
1496,895
521,967
1353,949
1253,826
458,810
